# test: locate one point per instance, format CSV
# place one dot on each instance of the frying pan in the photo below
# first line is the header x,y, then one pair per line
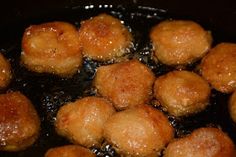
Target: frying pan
x,y
49,92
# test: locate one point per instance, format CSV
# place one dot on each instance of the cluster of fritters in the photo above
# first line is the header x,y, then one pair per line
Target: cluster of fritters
x,y
121,113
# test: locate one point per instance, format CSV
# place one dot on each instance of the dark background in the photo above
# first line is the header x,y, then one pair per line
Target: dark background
x,y
221,13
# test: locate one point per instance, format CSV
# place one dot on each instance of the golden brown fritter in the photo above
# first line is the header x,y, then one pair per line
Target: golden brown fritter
x,y
104,37
69,151
126,84
82,121
5,72
182,93
218,67
19,122
52,48
203,142
179,42
141,131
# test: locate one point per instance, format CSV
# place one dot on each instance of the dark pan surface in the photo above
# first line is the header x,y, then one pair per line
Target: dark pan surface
x,y
49,92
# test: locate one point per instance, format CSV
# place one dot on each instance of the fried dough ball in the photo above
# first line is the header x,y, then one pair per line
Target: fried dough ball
x,y
126,84
19,122
182,93
141,131
203,142
69,151
218,67
82,121
232,106
178,42
104,37
52,48
5,72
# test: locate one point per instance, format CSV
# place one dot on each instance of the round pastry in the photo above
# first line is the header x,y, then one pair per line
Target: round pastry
x,y
139,131
69,151
82,121
182,93
179,42
207,142
104,37
5,72
125,84
19,122
52,48
218,67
